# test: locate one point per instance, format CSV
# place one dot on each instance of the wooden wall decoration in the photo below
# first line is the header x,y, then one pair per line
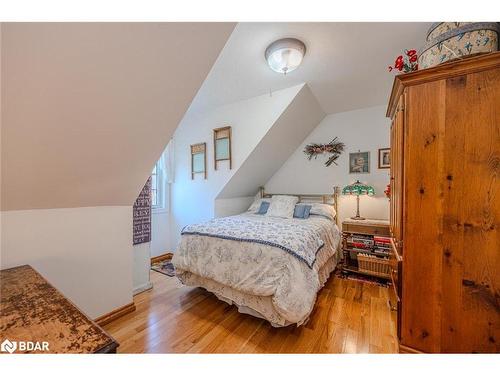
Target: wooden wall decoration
x,y
222,145
334,147
142,215
199,159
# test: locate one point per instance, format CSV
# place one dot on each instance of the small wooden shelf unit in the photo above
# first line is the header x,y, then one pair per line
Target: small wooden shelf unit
x,y
366,247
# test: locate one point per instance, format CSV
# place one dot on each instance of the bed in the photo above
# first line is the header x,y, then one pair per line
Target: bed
x,y
269,267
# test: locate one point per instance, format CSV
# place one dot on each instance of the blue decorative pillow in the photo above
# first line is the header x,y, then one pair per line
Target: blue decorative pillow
x,y
302,211
307,211
264,206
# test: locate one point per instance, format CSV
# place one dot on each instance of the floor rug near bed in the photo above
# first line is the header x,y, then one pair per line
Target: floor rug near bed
x,y
362,278
165,267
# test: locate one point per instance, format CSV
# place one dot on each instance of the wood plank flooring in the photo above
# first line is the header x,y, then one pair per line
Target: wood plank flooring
x,y
349,317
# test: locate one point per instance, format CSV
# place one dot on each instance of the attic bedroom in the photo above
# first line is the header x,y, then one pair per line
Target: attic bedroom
x,y
249,187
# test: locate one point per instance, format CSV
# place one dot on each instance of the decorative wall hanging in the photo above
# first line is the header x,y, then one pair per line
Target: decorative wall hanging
x,y
384,158
359,162
335,148
142,215
222,145
199,159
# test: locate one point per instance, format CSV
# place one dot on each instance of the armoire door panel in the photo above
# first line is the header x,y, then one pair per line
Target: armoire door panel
x,y
423,197
471,244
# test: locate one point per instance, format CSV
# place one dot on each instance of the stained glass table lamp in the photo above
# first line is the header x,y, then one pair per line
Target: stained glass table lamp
x,y
358,189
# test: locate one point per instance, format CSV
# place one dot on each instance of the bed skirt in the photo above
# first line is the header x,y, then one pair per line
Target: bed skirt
x,y
258,306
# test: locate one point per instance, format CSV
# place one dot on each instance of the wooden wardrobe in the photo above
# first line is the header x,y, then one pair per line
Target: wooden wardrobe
x,y
445,206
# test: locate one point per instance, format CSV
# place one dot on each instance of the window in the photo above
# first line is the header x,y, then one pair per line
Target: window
x,y
155,186
160,181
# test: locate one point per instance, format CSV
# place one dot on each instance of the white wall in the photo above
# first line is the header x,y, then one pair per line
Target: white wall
x,y
193,200
365,130
142,265
300,117
86,253
232,206
160,232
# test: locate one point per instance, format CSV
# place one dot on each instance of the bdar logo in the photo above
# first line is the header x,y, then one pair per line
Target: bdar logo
x,y
8,346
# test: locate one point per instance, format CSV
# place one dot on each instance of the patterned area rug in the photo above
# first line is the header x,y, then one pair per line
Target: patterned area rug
x,y
165,267
362,278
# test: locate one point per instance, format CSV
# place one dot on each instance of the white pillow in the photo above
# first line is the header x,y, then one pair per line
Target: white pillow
x,y
282,206
254,207
326,210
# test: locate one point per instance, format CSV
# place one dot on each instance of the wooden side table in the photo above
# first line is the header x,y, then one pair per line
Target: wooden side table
x,y
366,247
32,310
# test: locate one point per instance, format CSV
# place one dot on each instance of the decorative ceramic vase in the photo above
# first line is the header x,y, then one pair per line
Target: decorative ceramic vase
x,y
454,40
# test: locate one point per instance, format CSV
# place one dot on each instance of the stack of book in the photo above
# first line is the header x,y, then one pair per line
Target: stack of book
x,y
381,245
366,244
360,241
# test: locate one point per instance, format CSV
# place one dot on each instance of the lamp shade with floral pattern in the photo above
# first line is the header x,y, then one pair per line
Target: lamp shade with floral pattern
x,y
358,188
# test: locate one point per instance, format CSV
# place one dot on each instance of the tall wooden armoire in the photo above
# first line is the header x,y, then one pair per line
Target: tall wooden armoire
x,y
445,206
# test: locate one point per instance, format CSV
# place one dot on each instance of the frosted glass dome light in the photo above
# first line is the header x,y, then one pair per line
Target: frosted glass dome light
x,y
285,55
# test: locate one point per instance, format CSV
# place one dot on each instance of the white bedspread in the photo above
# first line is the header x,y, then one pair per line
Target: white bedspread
x,y
262,256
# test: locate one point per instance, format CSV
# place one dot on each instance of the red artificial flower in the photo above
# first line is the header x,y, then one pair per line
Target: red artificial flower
x,y
400,67
390,69
413,58
398,64
387,191
411,52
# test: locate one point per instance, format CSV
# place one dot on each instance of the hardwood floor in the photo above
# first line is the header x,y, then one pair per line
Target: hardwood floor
x,y
349,317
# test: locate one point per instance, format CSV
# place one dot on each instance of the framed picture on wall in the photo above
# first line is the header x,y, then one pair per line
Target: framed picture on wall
x,y
199,160
222,145
359,162
384,158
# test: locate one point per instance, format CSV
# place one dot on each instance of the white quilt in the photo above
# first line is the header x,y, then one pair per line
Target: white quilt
x,y
261,256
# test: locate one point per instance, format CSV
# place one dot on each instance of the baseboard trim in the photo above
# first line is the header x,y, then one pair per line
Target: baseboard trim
x,y
403,349
143,288
115,314
162,257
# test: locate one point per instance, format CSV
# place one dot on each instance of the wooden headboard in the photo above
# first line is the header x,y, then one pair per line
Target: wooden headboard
x,y
332,199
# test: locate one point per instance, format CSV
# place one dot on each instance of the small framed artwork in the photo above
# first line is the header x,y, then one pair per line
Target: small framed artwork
x,y
199,159
222,145
384,158
359,162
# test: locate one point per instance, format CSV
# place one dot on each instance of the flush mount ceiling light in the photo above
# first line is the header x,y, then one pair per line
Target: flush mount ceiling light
x,y
285,55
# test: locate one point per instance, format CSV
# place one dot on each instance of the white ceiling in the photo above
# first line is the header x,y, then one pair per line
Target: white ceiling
x,y
345,64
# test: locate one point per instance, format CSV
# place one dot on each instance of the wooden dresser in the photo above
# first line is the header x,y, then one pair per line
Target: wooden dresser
x,y
32,310
445,206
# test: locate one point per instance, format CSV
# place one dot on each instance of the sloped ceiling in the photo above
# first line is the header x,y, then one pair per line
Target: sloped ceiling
x,y
87,108
300,117
345,64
